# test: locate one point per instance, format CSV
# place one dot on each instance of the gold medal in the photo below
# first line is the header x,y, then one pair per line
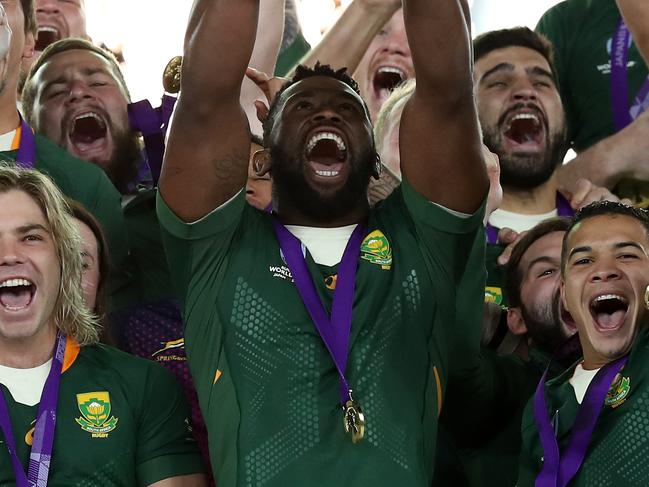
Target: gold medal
x,y
171,75
646,297
354,420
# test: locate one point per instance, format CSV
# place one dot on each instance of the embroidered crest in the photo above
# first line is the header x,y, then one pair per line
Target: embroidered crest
x,y
95,411
376,249
168,351
618,392
493,295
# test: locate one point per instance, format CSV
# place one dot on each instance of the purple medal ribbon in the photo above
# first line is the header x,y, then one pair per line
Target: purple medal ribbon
x,y
152,123
43,439
334,330
26,157
558,470
563,209
619,83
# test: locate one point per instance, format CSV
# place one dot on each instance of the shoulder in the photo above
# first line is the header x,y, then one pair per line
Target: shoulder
x,y
57,162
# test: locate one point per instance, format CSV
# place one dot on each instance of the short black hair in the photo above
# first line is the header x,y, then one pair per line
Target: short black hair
x,y
516,37
303,72
599,208
513,273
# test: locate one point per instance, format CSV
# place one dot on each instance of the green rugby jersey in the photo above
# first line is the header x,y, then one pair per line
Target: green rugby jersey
x,y
581,32
89,185
141,436
267,386
618,450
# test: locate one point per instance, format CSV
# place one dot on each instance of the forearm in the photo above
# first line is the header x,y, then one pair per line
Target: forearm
x,y
346,42
195,480
636,16
264,56
622,155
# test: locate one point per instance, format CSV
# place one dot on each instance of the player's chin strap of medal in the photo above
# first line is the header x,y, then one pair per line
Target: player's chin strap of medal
x,y
152,123
41,453
334,330
559,469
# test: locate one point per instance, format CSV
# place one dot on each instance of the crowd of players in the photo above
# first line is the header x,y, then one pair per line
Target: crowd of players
x,y
364,263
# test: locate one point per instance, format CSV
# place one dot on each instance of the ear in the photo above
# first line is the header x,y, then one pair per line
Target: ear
x,y
562,292
30,43
261,162
376,170
262,111
515,321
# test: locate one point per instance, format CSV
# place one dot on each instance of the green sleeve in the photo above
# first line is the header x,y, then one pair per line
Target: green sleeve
x,y
165,445
528,466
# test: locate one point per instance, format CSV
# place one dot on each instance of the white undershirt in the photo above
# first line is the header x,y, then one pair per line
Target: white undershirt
x,y
6,140
517,221
580,381
326,245
25,385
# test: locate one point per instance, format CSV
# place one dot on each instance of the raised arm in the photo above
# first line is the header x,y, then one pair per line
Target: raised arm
x,y
264,56
346,42
440,146
206,159
636,16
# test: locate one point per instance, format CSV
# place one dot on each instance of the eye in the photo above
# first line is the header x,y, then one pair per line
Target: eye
x,y
628,256
541,84
346,107
98,83
303,105
547,272
32,237
497,84
582,261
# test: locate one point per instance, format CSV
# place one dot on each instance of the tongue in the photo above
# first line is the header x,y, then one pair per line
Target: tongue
x,y
317,166
87,130
523,131
611,321
17,297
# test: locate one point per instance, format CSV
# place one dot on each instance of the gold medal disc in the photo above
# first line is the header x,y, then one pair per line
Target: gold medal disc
x,y
354,421
646,297
171,75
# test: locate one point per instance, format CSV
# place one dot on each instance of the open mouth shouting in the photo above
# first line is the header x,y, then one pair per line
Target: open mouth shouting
x,y
45,36
88,136
326,153
609,312
524,131
386,79
16,294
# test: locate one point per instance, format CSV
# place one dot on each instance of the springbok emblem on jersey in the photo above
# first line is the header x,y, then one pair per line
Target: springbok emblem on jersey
x,y
95,409
376,249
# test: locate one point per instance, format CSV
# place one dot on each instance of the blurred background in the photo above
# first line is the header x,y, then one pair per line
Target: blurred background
x,y
150,32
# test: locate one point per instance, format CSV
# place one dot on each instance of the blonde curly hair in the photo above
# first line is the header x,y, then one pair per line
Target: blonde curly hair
x,y
71,315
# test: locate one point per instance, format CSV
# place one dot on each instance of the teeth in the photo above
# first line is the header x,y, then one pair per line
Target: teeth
x,y
15,283
47,28
526,116
89,115
327,174
389,69
326,136
605,297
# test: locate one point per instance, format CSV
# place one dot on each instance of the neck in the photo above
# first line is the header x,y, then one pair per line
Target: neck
x,y
27,353
9,118
294,216
535,201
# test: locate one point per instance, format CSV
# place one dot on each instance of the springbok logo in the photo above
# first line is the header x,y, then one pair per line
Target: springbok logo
x,y
95,411
376,249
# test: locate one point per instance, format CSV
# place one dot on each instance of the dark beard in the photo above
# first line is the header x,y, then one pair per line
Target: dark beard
x,y
122,167
544,326
290,188
527,171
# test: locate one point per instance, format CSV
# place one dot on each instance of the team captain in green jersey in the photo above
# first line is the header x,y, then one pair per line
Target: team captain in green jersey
x,y
270,338
588,426
73,412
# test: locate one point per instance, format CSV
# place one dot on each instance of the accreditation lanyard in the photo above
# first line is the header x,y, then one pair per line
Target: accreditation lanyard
x,y
558,470
619,82
563,209
335,329
43,439
26,157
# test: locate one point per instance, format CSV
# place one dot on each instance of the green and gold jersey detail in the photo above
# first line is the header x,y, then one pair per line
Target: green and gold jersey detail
x,y
581,32
268,388
121,421
619,446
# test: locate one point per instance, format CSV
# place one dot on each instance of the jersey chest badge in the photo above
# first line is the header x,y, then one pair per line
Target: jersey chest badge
x,y
376,249
493,295
95,416
618,392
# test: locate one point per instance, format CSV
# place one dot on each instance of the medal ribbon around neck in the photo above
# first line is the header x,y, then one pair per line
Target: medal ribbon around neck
x,y
619,80
334,330
558,470
26,156
41,453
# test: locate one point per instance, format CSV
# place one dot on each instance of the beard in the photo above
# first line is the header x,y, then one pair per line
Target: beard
x,y
526,171
544,325
290,188
122,166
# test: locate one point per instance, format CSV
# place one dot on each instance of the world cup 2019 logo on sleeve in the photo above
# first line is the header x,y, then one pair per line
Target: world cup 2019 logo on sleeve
x,y
95,416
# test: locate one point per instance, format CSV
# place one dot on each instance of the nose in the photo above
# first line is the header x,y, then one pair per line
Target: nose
x,y
47,6
326,114
78,91
396,42
524,91
605,270
10,254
